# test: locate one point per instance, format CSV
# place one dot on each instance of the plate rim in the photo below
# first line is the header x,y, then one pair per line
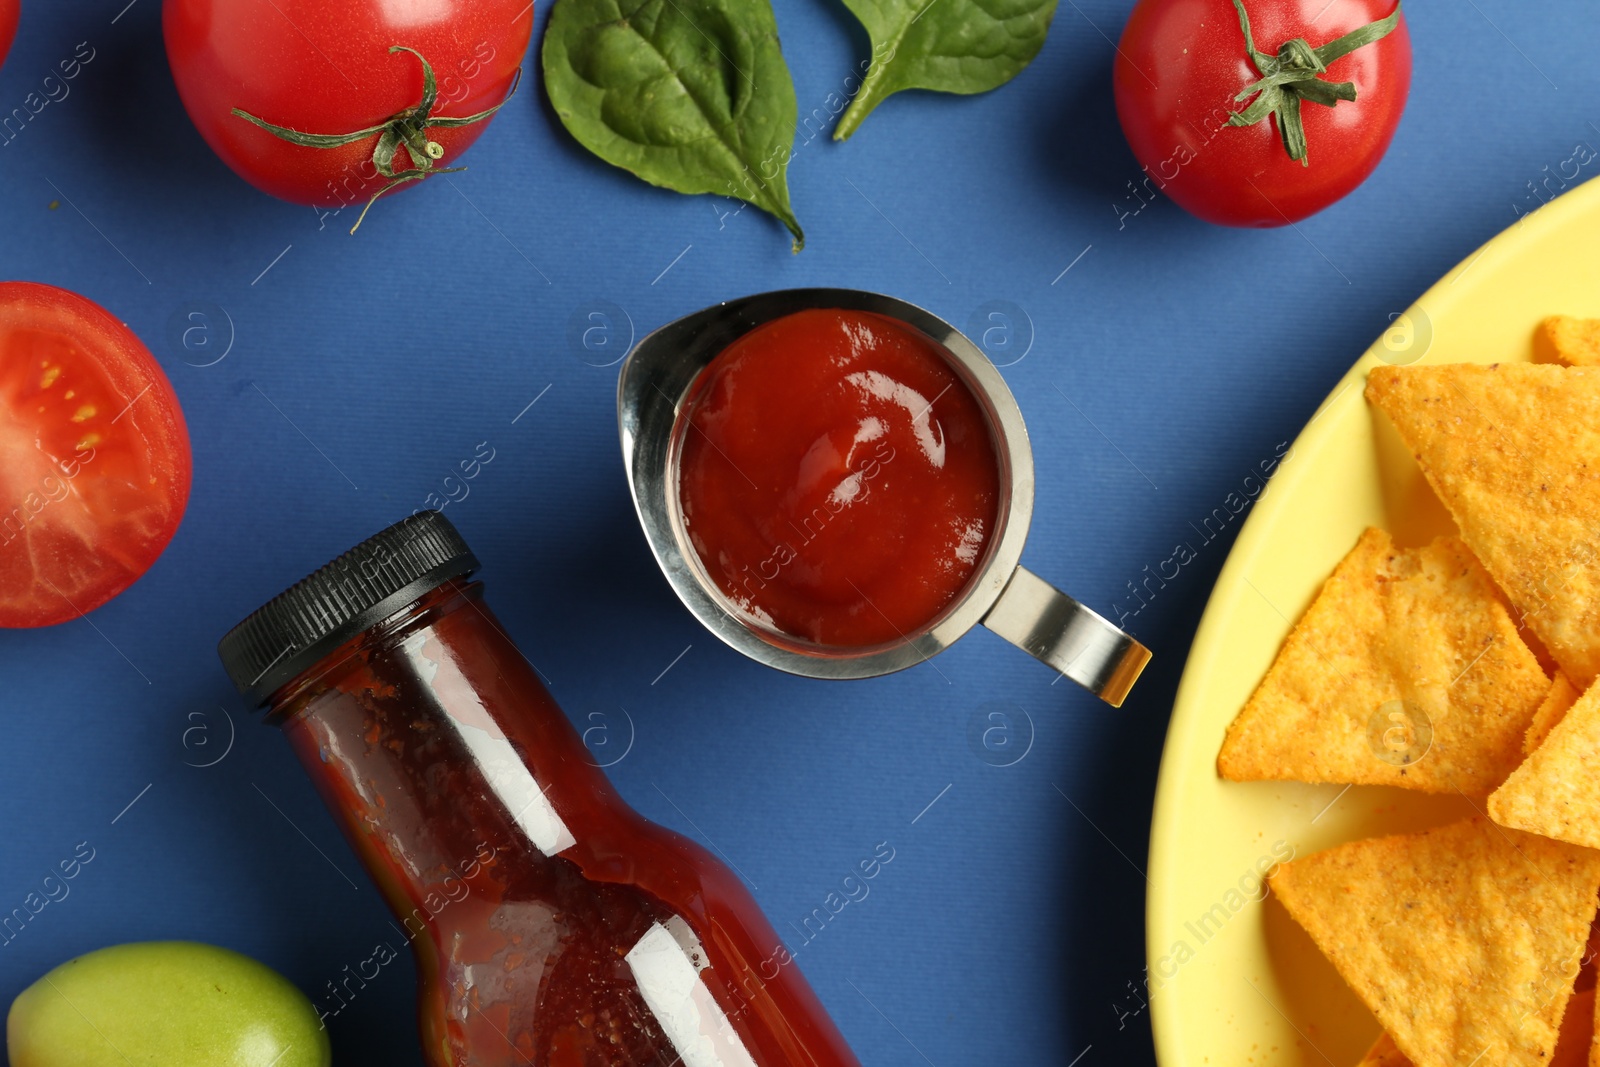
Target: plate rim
x,y
1179,764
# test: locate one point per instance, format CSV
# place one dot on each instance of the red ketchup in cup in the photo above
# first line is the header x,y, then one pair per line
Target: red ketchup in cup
x,y
838,480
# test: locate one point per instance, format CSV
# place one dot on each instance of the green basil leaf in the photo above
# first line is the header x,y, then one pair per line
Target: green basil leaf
x,y
950,46
692,95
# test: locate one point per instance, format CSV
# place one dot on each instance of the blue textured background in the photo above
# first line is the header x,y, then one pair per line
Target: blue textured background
x,y
1009,925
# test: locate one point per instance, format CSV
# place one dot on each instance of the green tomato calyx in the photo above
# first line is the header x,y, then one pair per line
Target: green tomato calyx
x,y
408,129
1294,75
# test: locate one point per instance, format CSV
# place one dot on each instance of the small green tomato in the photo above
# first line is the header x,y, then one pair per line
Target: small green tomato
x,y
166,1003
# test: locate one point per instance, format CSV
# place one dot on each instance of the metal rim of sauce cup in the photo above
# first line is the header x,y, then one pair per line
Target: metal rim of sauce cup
x,y
656,381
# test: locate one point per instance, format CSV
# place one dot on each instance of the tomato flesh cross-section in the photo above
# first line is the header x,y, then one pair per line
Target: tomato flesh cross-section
x,y
94,456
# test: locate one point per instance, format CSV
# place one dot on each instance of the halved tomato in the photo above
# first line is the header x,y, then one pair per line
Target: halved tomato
x,y
10,12
94,456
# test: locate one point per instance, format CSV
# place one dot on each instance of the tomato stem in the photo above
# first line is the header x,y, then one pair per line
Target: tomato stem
x,y
1293,76
407,129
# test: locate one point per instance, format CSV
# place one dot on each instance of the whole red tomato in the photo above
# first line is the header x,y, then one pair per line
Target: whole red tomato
x,y
10,12
1181,63
94,456
341,67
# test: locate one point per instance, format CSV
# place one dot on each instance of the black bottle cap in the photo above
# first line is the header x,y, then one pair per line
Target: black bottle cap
x,y
364,586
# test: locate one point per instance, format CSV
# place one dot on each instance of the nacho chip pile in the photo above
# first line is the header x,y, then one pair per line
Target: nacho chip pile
x,y
1513,451
1413,667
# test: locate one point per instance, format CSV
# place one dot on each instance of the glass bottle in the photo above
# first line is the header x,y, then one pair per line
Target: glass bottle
x,y
552,925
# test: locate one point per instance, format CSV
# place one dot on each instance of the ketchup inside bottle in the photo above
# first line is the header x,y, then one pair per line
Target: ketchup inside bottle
x,y
837,479
552,924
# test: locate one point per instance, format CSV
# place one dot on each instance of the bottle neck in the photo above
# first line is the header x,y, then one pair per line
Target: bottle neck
x,y
435,743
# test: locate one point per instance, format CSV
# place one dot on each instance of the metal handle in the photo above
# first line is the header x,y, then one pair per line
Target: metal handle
x,y
1051,626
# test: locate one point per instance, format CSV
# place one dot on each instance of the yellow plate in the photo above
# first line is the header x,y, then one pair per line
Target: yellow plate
x,y
1233,981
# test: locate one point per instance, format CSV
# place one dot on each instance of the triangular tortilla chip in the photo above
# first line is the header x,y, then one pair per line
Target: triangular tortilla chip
x,y
1574,1048
1463,940
1556,791
1406,670
1514,452
1563,694
1564,339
